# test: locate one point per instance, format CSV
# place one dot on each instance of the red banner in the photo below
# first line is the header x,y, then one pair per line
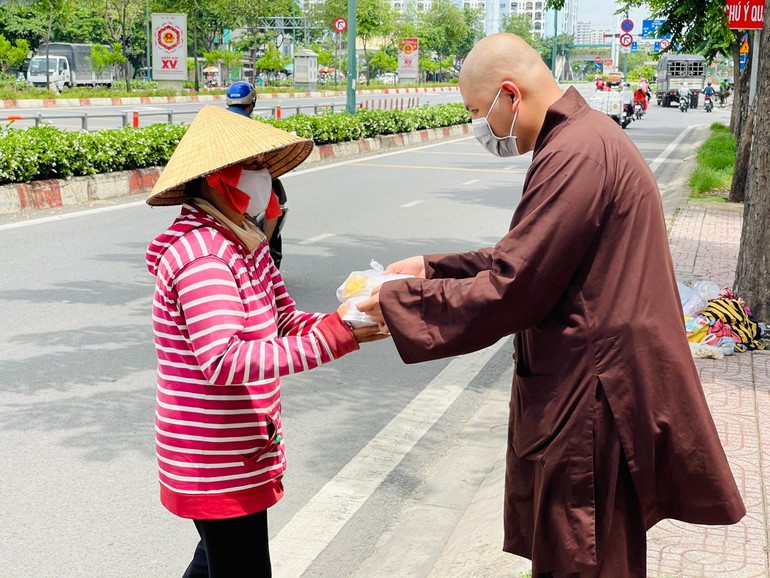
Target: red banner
x,y
745,14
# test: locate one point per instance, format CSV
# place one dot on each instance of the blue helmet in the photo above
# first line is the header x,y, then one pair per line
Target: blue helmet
x,y
241,93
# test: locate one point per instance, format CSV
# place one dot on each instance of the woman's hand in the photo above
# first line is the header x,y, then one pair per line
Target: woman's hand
x,y
363,334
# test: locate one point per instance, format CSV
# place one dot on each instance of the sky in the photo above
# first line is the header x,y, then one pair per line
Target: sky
x,y
600,12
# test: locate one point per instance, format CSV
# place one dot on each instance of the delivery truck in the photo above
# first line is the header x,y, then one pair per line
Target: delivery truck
x,y
675,70
68,65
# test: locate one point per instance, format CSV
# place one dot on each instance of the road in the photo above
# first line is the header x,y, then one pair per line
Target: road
x,y
364,434
103,117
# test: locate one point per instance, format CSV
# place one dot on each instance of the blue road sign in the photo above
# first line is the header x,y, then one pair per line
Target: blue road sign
x,y
627,25
634,47
742,62
598,65
650,29
656,47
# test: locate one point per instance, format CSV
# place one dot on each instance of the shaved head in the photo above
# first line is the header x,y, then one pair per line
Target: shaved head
x,y
500,57
505,65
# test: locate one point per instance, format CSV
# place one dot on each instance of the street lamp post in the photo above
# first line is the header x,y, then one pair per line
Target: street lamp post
x,y
195,49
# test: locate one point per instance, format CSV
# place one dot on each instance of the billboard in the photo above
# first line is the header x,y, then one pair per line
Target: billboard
x,y
169,46
745,14
408,49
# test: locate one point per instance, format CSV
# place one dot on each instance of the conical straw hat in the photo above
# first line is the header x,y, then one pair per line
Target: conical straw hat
x,y
218,138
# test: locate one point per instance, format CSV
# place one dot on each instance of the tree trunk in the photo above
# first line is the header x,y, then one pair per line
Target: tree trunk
x,y
752,276
734,117
742,159
743,117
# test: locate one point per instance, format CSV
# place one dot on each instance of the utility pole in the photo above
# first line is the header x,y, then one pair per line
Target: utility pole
x,y
352,73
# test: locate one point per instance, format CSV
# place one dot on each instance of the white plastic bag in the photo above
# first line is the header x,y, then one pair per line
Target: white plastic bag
x,y
358,287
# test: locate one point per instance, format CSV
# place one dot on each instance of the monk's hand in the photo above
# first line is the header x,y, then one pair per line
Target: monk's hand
x,y
373,309
411,266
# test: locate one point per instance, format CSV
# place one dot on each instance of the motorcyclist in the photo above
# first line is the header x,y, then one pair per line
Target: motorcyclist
x,y
627,98
241,98
646,88
599,82
708,92
684,93
640,95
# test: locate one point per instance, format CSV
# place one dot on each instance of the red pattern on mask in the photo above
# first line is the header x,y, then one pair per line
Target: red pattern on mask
x,y
225,181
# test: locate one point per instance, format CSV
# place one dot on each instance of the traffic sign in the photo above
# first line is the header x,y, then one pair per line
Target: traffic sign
x,y
626,40
598,60
650,28
656,47
598,65
745,14
634,47
627,25
664,44
340,24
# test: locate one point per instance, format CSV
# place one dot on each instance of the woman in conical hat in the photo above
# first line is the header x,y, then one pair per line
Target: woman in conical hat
x,y
226,330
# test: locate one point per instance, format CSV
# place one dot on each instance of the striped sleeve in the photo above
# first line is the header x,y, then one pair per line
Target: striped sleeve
x,y
215,319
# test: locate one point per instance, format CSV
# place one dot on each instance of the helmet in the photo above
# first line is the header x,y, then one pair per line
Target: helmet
x,y
241,93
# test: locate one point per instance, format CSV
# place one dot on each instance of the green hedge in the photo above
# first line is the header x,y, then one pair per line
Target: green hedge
x,y
47,152
339,127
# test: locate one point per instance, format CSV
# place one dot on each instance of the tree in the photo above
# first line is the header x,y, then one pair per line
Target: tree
x,y
52,8
753,270
381,62
272,60
442,29
102,57
12,55
520,25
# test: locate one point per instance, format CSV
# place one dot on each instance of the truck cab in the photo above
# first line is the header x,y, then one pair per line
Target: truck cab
x,y
59,70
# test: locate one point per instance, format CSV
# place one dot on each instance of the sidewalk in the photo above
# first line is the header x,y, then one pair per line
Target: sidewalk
x,y
704,239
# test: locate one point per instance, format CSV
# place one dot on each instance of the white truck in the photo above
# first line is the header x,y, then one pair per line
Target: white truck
x,y
69,65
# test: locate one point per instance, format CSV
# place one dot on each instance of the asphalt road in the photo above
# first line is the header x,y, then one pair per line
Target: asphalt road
x,y
79,488
102,117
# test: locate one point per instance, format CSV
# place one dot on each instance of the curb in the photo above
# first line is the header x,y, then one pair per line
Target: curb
x,y
56,193
129,101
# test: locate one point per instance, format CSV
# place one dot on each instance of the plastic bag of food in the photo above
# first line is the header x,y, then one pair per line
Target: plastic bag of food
x,y
361,283
358,287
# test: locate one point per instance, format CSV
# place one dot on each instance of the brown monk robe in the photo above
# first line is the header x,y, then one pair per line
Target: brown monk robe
x,y
609,429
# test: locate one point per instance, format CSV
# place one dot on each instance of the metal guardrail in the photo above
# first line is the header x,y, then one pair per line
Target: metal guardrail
x,y
133,117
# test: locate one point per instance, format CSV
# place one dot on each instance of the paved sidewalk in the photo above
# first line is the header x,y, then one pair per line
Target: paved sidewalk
x,y
704,238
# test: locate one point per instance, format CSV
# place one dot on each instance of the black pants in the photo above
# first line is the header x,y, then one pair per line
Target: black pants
x,y
232,548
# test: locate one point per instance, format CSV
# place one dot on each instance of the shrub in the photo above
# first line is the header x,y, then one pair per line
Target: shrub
x,y
47,152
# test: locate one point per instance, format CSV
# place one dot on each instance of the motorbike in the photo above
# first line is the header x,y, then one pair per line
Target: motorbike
x,y
627,115
684,103
638,110
276,241
708,103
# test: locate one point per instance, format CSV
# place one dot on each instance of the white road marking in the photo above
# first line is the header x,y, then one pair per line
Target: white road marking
x,y
317,238
313,527
412,204
669,149
471,182
85,213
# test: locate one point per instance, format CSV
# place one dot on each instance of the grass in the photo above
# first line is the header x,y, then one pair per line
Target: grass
x,y
714,164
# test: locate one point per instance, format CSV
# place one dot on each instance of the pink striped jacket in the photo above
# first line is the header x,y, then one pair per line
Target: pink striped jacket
x,y
225,331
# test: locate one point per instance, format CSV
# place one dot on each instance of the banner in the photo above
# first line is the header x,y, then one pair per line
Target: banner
x,y
169,46
408,51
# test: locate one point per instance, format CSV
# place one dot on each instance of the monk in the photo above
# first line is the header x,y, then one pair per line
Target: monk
x,y
609,431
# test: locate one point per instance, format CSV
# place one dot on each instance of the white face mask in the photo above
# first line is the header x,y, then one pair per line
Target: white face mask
x,y
257,185
501,146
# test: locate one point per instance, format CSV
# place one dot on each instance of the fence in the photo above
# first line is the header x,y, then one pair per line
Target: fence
x,y
133,118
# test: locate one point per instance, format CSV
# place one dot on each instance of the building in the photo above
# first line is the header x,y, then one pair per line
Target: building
x,y
590,34
542,19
